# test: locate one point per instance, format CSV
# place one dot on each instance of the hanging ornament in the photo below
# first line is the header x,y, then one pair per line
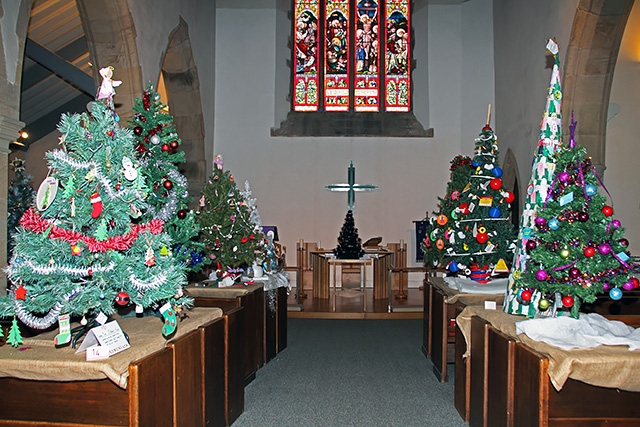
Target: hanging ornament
x,y
167,184
122,298
589,251
543,304
482,237
149,258
137,131
583,216
155,140
510,197
590,190
526,296
76,250
174,145
554,224
607,210
541,275
531,245
497,172
165,147
565,252
46,193
563,176
453,267
495,183
623,242
96,201
182,214
72,208
442,219
130,173
494,212
615,294
568,301
164,251
604,248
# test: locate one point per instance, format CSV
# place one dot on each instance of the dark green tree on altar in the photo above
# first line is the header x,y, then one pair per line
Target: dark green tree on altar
x,y
20,196
83,249
349,243
158,143
441,221
577,249
482,237
230,224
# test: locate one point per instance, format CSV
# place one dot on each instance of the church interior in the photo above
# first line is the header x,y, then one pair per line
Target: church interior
x,y
354,164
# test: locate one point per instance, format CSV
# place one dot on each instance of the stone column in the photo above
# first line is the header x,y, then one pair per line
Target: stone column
x,y
9,129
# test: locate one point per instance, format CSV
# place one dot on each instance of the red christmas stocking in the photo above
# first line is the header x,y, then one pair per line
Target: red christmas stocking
x,y
96,201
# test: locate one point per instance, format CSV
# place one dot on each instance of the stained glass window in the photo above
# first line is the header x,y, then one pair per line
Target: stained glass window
x,y
352,55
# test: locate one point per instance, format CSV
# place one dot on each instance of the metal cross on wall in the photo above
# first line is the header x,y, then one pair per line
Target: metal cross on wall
x,y
351,187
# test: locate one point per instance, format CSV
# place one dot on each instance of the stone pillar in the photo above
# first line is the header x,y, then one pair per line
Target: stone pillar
x,y
9,129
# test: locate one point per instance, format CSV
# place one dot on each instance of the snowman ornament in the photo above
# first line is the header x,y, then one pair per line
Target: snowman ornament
x,y
130,172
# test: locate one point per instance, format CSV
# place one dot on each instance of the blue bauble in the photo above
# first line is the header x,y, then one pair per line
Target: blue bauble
x,y
453,267
554,224
590,189
494,212
475,163
615,294
497,172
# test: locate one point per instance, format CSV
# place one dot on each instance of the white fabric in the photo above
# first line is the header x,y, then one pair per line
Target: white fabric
x,y
468,286
590,330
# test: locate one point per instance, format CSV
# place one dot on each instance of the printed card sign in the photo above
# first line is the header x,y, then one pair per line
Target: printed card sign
x,y
104,341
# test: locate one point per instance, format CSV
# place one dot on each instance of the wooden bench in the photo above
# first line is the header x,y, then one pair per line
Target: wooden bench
x,y
189,382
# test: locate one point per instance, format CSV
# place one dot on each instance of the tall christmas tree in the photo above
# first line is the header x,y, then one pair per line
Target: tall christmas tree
x,y
440,222
20,197
577,249
349,243
82,250
482,236
230,223
159,156
542,173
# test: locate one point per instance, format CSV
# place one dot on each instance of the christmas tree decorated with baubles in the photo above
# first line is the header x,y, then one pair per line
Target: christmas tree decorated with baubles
x,y
83,251
349,243
158,145
542,175
230,226
20,196
482,236
441,221
577,249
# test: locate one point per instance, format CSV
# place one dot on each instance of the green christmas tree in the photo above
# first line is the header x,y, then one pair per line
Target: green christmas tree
x,y
482,235
159,155
349,243
230,223
20,197
440,222
577,249
83,249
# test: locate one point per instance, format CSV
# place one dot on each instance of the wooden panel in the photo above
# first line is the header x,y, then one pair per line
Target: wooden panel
x,y
501,354
187,385
150,391
234,373
320,276
461,375
381,266
281,310
213,376
531,402
270,325
478,366
427,317
439,335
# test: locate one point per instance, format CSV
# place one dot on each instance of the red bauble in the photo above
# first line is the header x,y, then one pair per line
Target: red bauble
x,y
122,298
607,210
525,295
531,245
168,185
182,214
635,282
567,301
589,251
464,208
174,144
496,183
482,237
165,147
137,130
510,197
110,132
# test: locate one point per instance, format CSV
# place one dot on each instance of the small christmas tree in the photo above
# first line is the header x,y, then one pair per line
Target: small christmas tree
x,y
482,235
349,244
158,144
20,197
440,222
229,223
83,250
577,249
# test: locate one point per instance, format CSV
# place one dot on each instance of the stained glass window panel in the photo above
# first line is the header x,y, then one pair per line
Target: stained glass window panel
x,y
367,79
306,55
336,64
397,56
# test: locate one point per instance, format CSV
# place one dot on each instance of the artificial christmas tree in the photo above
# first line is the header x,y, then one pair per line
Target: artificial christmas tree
x,y
577,248
482,234
434,244
230,225
159,155
349,244
83,251
20,196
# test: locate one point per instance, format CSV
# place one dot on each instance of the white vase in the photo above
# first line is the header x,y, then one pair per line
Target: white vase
x,y
257,270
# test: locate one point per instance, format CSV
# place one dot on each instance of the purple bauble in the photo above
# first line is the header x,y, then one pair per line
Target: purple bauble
x,y
531,245
563,176
606,286
615,224
540,221
604,248
541,275
574,273
627,286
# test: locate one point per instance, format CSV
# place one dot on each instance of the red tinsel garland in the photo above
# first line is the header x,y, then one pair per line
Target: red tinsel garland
x,y
32,221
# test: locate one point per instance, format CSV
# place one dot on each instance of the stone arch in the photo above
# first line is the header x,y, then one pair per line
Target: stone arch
x,y
510,176
183,97
598,27
111,39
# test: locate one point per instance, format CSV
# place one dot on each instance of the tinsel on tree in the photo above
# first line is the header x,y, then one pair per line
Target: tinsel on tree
x,y
482,235
349,243
20,196
83,249
158,143
440,222
230,224
577,248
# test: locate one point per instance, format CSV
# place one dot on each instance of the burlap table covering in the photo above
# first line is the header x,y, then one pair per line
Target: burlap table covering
x,y
453,295
228,292
38,359
603,366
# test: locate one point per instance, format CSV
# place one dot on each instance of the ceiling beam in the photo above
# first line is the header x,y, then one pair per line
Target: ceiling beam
x,y
36,73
